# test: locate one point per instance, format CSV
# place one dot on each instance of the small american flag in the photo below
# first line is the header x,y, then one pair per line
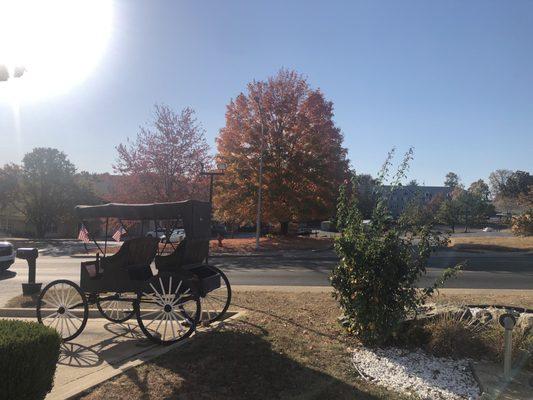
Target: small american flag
x,y
118,234
84,234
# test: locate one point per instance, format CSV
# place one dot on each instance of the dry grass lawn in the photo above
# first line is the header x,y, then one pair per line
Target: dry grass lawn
x,y
507,243
286,346
507,297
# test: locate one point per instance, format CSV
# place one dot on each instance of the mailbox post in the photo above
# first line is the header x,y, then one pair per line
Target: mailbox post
x,y
30,255
508,322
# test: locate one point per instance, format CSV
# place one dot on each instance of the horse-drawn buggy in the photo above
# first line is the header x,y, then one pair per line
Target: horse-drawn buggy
x,y
169,287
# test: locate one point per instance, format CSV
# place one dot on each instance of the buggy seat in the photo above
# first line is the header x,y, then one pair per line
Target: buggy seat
x,y
116,272
188,254
188,262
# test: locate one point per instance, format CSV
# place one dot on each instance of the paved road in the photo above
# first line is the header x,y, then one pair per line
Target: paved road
x,y
484,271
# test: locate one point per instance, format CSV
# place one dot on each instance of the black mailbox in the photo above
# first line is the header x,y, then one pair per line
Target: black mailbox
x,y
30,254
27,253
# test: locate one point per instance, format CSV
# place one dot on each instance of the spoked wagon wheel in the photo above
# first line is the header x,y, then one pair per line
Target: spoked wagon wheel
x,y
169,312
115,308
216,302
63,306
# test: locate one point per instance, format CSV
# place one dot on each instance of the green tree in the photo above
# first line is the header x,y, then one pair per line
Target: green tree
x,y
449,213
452,180
366,194
473,204
480,189
518,183
44,188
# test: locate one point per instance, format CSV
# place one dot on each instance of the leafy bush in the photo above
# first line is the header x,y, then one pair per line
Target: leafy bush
x,y
380,262
523,224
28,356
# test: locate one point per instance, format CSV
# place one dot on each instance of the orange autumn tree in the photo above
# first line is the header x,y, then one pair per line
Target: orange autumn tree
x,y
304,160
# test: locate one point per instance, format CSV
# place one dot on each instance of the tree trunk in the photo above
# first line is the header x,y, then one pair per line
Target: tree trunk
x,y
284,228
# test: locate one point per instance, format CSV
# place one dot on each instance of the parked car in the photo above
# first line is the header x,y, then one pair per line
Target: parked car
x,y
304,230
177,235
7,255
156,233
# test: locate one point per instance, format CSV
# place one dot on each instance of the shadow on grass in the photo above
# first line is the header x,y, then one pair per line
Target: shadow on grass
x,y
285,320
235,365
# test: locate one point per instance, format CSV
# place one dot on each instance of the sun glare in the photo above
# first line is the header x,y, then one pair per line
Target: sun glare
x,y
58,42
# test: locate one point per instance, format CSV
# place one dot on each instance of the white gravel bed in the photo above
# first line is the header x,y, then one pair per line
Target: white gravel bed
x,y
417,373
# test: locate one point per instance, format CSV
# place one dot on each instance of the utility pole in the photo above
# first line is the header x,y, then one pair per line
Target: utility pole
x,y
260,188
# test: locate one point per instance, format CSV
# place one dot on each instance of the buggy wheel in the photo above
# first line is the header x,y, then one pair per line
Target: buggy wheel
x,y
115,309
216,302
170,311
58,304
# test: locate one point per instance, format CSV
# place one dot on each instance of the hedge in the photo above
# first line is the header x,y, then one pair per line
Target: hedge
x,y
28,356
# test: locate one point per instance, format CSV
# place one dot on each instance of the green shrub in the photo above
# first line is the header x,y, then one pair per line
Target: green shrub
x,y
381,262
28,356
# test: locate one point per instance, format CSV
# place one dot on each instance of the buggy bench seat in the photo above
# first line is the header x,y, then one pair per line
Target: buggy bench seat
x,y
188,261
122,272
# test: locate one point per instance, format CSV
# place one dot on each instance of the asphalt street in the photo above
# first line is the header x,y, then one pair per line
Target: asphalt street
x,y
497,270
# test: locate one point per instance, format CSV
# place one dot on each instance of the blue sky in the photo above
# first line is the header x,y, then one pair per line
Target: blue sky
x,y
454,79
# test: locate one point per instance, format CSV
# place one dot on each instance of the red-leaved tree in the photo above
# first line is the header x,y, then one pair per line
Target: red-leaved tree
x,y
304,160
164,162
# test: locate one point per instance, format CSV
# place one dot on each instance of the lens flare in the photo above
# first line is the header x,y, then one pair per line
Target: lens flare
x,y
59,42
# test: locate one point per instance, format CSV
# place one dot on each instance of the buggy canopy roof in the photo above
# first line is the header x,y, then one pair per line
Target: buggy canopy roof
x,y
142,211
195,214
